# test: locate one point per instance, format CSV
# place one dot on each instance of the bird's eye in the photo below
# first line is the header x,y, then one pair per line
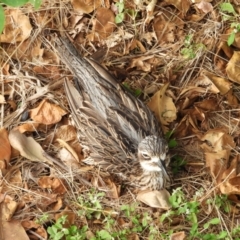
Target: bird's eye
x,y
146,156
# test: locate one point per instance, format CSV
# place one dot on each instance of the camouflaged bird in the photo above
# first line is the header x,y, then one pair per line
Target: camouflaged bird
x,y
120,132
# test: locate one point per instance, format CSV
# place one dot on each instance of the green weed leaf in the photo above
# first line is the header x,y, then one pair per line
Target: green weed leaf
x,y
120,6
227,7
2,19
105,235
119,18
172,143
231,39
36,3
213,221
14,3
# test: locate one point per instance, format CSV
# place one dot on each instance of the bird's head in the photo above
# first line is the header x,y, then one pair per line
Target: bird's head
x,y
153,154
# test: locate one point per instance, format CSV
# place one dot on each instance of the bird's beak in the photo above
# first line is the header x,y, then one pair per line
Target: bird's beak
x,y
160,163
163,167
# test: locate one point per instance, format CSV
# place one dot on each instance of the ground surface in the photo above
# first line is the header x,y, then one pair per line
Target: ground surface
x,y
193,46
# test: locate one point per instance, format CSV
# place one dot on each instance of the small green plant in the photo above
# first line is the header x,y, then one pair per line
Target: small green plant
x,y
121,11
221,202
43,219
57,231
176,161
15,3
135,92
92,207
226,9
120,15
190,49
189,211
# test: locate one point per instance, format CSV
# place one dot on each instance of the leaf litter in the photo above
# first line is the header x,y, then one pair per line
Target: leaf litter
x,y
188,78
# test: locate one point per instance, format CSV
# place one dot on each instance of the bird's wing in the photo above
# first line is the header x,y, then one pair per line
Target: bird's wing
x,y
105,146
128,119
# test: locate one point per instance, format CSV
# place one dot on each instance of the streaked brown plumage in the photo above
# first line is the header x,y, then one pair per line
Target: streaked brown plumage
x,y
120,132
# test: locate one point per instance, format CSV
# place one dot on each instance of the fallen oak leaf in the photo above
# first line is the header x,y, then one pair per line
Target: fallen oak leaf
x,y
28,147
17,28
13,229
155,199
163,107
178,236
233,69
5,148
47,113
69,148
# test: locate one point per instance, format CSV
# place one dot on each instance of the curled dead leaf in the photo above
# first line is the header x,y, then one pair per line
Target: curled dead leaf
x,y
13,230
5,148
17,26
218,139
233,68
27,147
47,113
104,24
163,107
55,184
178,236
2,99
217,163
85,6
156,199
222,84
69,148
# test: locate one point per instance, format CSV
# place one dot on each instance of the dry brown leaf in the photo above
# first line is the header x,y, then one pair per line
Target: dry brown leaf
x,y
50,57
150,10
178,236
156,199
58,205
69,148
231,186
5,69
181,5
66,132
27,147
231,171
141,63
35,227
71,216
17,27
8,208
206,7
13,230
5,148
113,191
210,104
29,49
48,71
47,113
53,183
28,127
233,68
231,98
85,6
15,179
163,107
219,139
104,24
222,84
164,30
133,236
135,44
217,163
2,99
